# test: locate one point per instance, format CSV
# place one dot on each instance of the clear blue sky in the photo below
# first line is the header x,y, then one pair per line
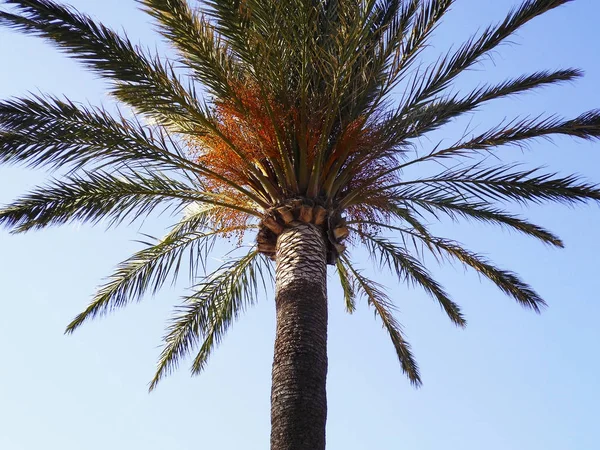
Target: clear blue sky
x,y
511,380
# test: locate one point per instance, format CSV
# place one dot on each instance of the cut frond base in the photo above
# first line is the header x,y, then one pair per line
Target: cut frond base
x,y
294,212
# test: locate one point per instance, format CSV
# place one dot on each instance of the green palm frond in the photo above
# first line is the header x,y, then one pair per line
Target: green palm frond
x,y
408,268
46,131
519,132
376,32
434,203
503,183
384,310
516,132
190,241
232,23
201,47
426,85
347,286
144,82
100,195
406,124
207,314
408,215
380,53
252,29
424,16
508,282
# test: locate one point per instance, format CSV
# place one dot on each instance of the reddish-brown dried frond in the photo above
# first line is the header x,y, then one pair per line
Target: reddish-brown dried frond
x,y
246,139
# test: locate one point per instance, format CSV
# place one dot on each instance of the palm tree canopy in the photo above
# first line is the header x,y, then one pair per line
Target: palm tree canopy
x,y
274,112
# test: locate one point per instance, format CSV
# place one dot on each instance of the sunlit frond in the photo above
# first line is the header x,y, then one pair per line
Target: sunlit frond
x,y
47,131
406,124
457,208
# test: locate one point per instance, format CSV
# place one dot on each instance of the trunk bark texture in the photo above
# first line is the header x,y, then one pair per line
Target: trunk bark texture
x,y
298,398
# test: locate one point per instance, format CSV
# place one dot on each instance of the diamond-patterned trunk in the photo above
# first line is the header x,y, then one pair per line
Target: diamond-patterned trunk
x,y
298,398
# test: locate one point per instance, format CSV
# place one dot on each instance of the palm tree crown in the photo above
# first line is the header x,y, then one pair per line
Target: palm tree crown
x,y
274,113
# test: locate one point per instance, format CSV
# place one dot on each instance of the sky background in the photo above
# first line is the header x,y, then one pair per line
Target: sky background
x,y
511,380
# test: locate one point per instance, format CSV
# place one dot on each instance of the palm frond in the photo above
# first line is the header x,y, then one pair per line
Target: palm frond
x,y
508,282
516,132
519,132
434,202
383,29
191,239
503,183
144,82
405,124
100,195
207,314
384,309
202,48
231,21
397,211
347,287
424,16
408,268
437,78
49,132
380,52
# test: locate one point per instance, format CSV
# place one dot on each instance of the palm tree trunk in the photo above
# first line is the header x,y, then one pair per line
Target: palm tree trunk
x,y
298,398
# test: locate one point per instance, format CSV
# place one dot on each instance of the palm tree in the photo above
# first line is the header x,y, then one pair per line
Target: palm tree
x,y
275,126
